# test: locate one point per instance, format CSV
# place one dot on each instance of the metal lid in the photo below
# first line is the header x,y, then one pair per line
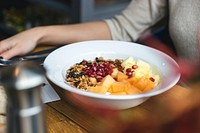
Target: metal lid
x,y
21,76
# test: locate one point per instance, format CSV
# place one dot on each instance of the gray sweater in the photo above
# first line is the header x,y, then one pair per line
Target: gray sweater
x,y
184,23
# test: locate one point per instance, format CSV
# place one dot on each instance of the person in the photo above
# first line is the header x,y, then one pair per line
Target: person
x,y
129,25
183,20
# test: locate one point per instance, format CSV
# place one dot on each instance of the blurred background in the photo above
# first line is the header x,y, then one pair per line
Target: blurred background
x,y
19,15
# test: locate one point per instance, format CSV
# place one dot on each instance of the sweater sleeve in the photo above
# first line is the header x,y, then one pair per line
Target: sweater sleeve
x,y
136,18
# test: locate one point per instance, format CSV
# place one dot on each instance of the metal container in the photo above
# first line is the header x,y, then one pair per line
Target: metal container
x,y
22,83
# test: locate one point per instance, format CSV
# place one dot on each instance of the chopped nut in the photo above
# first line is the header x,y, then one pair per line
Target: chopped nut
x,y
93,80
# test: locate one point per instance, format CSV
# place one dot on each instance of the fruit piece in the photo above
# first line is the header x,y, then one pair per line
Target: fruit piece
x,y
121,76
128,63
143,69
98,89
133,80
107,81
149,86
114,73
144,65
109,89
142,83
131,89
93,80
118,87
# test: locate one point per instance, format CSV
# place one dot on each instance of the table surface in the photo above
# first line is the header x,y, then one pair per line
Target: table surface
x,y
175,110
157,114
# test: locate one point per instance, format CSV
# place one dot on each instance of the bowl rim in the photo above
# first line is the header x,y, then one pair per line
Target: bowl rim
x,y
115,97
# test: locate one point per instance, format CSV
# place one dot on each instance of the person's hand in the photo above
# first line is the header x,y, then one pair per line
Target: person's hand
x,y
19,44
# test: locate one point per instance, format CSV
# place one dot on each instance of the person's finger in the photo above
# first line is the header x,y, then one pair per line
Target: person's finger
x,y
4,46
11,53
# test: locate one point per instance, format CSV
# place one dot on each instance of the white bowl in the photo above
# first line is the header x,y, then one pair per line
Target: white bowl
x,y
62,58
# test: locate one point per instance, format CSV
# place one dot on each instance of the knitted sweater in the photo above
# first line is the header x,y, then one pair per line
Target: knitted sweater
x,y
184,23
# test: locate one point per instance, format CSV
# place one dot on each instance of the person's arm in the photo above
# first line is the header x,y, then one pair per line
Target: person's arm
x,y
75,32
136,18
26,41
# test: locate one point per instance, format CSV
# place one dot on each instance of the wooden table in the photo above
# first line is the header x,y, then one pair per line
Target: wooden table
x,y
174,111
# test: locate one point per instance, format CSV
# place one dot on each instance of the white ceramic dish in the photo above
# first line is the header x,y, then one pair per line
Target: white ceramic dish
x,y
61,59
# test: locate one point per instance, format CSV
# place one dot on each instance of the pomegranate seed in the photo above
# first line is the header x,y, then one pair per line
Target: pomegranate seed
x,y
103,74
129,73
95,64
106,64
99,79
134,66
84,63
110,72
101,70
91,75
128,70
95,68
98,68
99,73
121,69
152,79
94,73
101,65
130,76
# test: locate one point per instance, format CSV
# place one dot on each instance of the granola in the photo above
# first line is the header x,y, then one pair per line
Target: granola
x,y
89,73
